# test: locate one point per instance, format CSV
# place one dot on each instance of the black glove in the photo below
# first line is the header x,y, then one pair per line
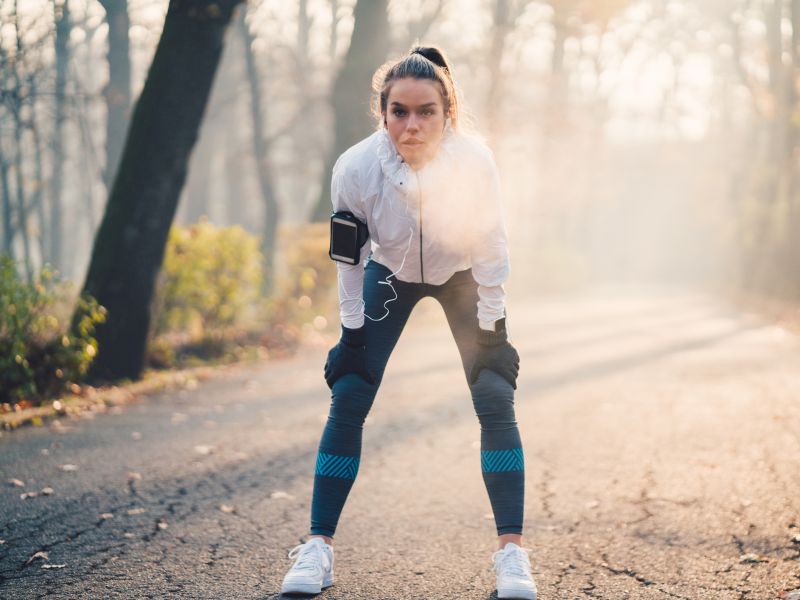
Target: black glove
x,y
497,354
348,356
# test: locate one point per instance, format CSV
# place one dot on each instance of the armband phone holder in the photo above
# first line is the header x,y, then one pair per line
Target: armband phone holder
x,y
348,235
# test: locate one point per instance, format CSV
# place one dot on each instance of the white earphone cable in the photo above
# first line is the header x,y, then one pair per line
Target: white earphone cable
x,y
393,274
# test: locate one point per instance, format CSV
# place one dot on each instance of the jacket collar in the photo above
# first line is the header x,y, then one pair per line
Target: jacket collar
x,y
399,173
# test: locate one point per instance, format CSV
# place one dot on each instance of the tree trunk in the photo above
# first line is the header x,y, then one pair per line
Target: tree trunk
x,y
333,40
129,246
353,87
494,95
22,218
22,211
38,204
118,90
8,231
793,138
62,24
261,154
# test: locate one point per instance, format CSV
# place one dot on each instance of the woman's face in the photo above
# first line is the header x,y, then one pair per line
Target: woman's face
x,y
415,118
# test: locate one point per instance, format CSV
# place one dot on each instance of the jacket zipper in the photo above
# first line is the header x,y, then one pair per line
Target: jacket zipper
x,y
421,263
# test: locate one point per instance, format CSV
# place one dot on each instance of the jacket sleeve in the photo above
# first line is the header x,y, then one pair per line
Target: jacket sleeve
x,y
345,196
490,262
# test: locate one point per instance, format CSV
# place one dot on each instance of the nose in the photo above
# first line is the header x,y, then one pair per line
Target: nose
x,y
412,124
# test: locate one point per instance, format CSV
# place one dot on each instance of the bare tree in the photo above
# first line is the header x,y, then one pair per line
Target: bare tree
x,y
333,40
17,107
117,92
55,222
352,88
419,27
129,246
264,172
5,184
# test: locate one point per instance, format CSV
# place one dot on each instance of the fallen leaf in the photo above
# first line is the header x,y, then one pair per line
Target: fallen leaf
x,y
162,525
128,535
134,476
178,418
203,450
136,511
48,491
105,516
227,508
753,558
592,504
69,468
52,566
44,451
796,538
2,542
16,482
40,554
281,494
26,495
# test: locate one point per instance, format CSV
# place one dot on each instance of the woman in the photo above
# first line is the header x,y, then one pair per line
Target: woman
x,y
427,196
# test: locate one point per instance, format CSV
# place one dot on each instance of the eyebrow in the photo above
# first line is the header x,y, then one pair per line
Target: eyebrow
x,y
396,103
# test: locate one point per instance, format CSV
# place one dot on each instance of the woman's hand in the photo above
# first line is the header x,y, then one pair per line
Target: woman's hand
x,y
348,356
497,354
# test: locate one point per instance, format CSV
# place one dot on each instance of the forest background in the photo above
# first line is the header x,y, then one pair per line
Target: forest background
x,y
178,175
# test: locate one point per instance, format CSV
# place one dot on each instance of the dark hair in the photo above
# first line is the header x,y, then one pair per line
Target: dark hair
x,y
422,62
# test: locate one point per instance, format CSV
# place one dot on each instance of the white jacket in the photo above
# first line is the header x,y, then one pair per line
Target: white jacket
x,y
426,224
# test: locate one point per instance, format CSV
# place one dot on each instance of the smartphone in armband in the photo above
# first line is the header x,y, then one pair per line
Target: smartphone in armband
x,y
348,235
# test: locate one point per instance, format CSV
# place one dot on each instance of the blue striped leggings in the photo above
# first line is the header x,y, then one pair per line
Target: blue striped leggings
x,y
339,452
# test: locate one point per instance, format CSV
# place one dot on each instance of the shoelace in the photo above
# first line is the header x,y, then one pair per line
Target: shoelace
x,y
515,563
310,556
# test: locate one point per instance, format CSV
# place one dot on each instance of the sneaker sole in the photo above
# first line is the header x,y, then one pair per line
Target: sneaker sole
x,y
508,594
306,588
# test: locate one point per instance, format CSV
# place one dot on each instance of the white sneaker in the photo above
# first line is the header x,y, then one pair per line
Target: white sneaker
x,y
513,567
313,569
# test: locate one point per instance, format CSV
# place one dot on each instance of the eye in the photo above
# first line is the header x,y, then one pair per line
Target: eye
x,y
427,112
398,112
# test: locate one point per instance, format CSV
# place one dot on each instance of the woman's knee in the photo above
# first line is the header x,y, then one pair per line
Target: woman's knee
x,y
492,394
352,398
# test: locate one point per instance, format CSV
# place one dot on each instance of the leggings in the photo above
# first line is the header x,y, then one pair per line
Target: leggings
x,y
502,463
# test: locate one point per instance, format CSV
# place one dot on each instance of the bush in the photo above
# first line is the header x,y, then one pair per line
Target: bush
x,y
210,278
306,295
209,305
209,286
40,355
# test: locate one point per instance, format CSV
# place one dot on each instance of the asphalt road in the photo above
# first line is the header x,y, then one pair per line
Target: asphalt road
x,y
662,443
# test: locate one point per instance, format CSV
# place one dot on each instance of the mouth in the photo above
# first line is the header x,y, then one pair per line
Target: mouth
x,y
413,142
